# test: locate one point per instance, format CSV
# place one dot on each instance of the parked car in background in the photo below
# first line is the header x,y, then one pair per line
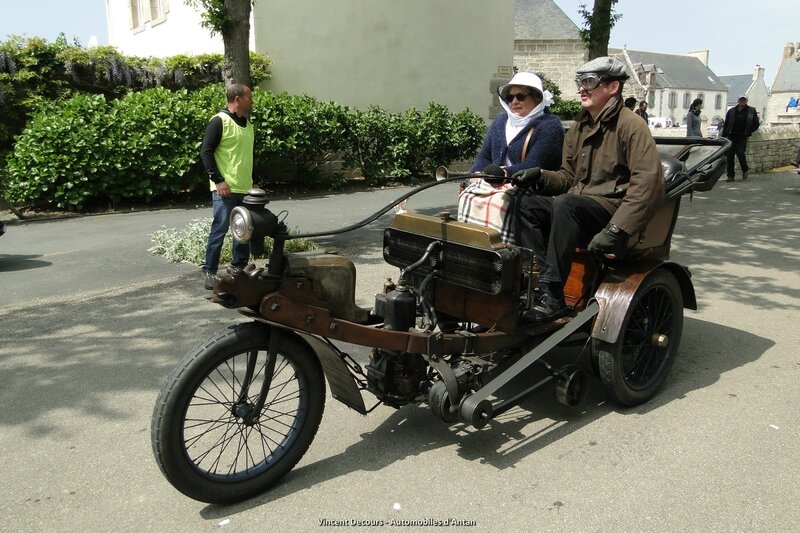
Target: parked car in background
x,y
715,128
659,122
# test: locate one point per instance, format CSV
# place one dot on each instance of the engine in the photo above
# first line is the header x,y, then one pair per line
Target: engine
x,y
397,378
471,274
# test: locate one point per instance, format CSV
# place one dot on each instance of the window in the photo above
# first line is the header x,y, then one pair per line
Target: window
x,y
718,102
687,99
702,97
153,11
137,14
158,10
651,99
673,99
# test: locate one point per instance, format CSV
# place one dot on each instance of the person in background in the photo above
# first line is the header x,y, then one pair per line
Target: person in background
x,y
630,102
227,154
693,119
740,123
792,104
642,111
612,179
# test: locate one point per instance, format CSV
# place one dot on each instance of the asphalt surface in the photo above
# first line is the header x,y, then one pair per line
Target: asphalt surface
x,y
91,325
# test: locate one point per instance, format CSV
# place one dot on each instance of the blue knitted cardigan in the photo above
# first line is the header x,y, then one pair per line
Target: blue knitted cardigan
x,y
544,148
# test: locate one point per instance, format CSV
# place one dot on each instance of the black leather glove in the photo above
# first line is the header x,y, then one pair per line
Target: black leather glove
x,y
611,241
528,177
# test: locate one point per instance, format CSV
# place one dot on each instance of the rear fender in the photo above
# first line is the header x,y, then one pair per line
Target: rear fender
x,y
618,288
340,381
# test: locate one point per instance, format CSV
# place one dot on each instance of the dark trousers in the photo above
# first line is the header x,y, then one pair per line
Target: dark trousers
x,y
738,146
554,226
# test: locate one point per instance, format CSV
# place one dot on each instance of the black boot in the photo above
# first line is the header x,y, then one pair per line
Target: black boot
x,y
547,308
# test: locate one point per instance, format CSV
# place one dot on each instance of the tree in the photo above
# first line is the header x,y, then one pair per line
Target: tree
x,y
598,24
231,19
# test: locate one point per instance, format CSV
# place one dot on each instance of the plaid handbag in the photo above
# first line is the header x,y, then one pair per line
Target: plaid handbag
x,y
489,205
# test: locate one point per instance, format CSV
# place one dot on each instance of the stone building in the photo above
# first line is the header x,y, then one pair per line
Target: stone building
x,y
546,41
751,86
670,82
785,86
393,54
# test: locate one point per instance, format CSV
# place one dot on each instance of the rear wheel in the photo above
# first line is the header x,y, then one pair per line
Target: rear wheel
x,y
207,438
634,368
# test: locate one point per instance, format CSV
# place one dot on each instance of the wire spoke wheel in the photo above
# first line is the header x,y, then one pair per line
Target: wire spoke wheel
x,y
211,440
634,368
219,437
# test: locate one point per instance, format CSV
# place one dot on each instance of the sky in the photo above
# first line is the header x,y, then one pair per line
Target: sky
x,y
738,35
47,18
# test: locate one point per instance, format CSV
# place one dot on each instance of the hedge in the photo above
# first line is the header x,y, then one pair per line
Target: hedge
x,y
145,145
34,71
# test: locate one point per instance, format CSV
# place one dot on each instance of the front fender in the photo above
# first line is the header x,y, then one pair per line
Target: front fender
x,y
340,380
619,286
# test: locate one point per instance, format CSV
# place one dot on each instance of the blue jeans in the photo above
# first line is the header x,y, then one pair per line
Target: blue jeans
x,y
222,208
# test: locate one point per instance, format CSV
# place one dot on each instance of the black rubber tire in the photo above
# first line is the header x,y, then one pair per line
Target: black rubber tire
x,y
194,411
633,368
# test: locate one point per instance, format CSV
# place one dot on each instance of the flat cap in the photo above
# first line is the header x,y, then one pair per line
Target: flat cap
x,y
607,67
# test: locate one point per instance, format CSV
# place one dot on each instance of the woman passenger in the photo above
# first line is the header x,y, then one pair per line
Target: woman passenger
x,y
526,126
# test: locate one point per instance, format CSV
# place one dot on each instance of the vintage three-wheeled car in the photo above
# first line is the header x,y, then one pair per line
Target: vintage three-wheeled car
x,y
240,410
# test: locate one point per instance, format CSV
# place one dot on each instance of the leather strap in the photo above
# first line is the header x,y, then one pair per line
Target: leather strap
x,y
525,146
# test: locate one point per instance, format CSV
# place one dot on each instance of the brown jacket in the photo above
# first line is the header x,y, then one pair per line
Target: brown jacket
x,y
614,161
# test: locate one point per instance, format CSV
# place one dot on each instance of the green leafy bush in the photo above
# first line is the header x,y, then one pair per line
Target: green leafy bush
x,y
411,143
375,143
141,146
63,155
299,129
189,244
566,109
144,145
34,71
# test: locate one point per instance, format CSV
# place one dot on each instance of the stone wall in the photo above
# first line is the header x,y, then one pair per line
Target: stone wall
x,y
771,148
556,59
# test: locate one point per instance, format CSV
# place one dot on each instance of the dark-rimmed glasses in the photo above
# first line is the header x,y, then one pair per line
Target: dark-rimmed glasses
x,y
521,97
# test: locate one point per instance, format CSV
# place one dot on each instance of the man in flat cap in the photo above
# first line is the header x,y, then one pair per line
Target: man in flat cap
x,y
740,123
611,173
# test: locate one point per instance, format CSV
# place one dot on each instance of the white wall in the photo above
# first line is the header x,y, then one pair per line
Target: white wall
x,y
179,32
356,52
396,54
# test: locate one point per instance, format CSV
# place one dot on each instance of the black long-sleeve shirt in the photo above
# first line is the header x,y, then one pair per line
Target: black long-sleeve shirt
x,y
211,139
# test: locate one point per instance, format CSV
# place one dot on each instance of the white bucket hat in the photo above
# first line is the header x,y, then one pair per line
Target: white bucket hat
x,y
527,79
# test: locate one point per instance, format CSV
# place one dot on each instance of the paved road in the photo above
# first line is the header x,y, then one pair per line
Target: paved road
x,y
90,325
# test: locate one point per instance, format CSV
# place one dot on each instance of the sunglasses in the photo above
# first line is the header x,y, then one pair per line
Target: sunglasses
x,y
589,81
521,97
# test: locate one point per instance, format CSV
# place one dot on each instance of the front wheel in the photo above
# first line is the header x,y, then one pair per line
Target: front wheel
x,y
634,368
207,438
